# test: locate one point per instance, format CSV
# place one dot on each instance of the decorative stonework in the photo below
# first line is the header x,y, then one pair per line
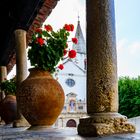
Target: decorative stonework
x,y
69,114
101,124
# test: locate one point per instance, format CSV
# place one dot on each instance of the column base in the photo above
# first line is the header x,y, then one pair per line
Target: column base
x,y
21,122
101,124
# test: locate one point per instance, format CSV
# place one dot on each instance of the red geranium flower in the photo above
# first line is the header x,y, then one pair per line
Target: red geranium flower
x,y
75,40
48,28
67,27
40,41
72,54
72,27
65,52
61,67
53,45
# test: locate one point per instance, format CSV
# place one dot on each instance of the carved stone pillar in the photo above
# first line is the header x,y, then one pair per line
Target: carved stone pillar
x,y
21,67
102,87
3,73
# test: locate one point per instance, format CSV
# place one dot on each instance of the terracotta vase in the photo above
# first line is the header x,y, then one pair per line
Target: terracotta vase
x,y
8,109
40,98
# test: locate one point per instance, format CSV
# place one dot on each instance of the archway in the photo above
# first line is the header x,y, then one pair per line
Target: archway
x,y
71,123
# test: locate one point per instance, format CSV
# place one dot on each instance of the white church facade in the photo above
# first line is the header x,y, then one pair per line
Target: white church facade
x,y
73,110
73,80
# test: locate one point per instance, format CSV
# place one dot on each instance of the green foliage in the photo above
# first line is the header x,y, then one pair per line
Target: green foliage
x,y
129,96
8,86
47,47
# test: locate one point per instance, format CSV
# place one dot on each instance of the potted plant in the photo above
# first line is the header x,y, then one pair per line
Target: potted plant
x,y
40,97
8,86
49,47
8,105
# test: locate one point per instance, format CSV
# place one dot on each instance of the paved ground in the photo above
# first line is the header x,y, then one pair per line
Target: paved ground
x,y
136,122
24,133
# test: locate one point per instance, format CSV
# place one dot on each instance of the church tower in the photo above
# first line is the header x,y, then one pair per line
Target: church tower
x,y
73,76
80,48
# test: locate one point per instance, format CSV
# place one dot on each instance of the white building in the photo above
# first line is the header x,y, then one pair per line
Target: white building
x,y
73,80
73,110
73,76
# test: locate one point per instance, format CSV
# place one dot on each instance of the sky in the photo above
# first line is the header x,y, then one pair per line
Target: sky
x,y
127,30
128,37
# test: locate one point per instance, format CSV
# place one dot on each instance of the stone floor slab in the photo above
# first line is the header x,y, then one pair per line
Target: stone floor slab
x,y
7,132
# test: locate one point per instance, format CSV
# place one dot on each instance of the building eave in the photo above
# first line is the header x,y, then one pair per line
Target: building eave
x,y
43,13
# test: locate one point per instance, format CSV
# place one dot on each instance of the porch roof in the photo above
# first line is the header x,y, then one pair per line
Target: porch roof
x,y
20,14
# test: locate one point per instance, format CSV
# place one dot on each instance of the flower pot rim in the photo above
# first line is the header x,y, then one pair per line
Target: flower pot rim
x,y
31,69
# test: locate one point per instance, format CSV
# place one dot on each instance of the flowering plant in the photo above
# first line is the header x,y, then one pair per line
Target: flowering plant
x,y
49,47
8,86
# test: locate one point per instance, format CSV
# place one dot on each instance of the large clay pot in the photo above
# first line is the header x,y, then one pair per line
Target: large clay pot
x,y
40,98
8,109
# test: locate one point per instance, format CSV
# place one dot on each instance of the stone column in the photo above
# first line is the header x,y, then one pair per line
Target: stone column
x,y
21,67
3,72
21,57
102,87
